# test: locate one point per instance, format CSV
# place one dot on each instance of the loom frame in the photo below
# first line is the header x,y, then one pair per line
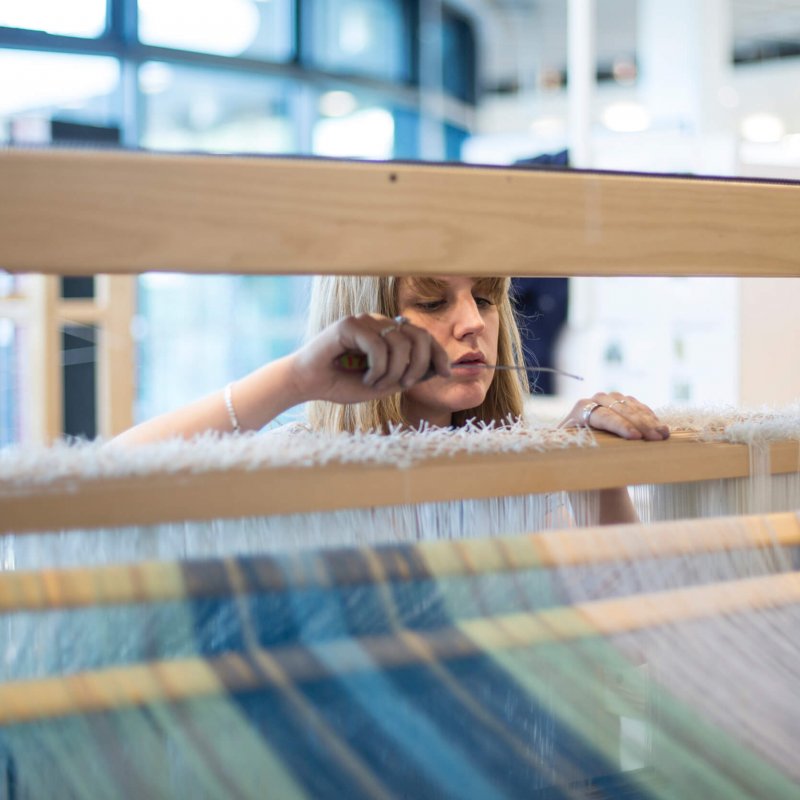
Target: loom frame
x,y
87,212
234,492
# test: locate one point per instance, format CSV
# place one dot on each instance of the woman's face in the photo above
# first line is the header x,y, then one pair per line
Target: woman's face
x,y
462,317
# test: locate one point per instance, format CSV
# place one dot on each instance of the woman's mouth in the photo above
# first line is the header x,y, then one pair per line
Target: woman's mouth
x,y
469,361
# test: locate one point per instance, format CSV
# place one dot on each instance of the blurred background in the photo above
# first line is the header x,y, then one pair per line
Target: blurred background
x,y
690,87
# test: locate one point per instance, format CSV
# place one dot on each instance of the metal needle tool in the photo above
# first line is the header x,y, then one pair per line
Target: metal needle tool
x,y
523,369
357,362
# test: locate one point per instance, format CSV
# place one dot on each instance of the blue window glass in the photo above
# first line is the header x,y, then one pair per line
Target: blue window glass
x,y
188,108
459,56
454,138
250,28
11,360
56,86
365,37
196,333
353,124
86,18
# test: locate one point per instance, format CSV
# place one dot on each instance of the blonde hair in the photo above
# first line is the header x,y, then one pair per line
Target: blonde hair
x,y
334,297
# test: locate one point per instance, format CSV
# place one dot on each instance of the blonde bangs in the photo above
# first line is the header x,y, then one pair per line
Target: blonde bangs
x,y
493,288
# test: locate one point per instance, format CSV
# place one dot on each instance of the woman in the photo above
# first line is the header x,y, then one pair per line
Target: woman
x,y
428,342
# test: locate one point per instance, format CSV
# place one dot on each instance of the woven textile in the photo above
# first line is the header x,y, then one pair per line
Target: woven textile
x,y
458,669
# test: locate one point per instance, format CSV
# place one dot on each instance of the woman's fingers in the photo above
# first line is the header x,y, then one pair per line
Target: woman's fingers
x,y
398,353
398,358
636,415
363,334
620,414
426,359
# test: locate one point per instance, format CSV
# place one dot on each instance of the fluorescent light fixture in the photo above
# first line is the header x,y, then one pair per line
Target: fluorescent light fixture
x,y
208,26
626,118
337,104
368,133
547,126
763,128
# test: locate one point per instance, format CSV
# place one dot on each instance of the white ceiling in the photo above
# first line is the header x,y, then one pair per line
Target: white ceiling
x,y
754,22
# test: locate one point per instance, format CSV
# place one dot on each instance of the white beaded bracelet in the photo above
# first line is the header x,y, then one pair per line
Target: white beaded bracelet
x,y
231,410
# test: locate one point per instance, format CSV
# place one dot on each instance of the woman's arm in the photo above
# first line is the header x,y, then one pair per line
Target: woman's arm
x,y
256,399
396,361
616,507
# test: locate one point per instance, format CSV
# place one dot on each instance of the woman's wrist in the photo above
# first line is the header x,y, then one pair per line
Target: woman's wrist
x,y
266,393
227,396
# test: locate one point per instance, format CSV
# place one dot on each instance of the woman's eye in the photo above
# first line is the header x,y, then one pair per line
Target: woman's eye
x,y
483,301
429,305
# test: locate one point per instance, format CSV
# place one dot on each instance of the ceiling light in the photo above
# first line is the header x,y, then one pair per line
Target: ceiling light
x,y
547,126
337,104
206,26
626,118
763,128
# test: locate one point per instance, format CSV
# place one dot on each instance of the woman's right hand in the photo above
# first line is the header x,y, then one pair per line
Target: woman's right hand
x,y
399,355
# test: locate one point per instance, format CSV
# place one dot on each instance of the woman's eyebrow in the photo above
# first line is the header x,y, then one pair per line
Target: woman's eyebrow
x,y
427,285
486,285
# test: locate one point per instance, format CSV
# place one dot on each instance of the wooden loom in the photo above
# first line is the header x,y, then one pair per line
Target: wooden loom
x,y
84,213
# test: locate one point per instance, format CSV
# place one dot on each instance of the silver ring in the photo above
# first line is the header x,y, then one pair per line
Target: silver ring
x,y
587,412
397,322
611,405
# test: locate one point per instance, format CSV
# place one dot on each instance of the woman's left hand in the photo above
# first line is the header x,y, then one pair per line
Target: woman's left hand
x,y
617,413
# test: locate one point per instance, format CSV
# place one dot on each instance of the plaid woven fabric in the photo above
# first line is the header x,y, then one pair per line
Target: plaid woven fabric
x,y
463,670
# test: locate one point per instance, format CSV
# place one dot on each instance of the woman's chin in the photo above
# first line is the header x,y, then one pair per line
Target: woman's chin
x,y
427,400
466,397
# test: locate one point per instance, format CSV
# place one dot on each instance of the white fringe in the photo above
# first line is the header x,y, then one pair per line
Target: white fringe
x,y
22,468
289,447
285,447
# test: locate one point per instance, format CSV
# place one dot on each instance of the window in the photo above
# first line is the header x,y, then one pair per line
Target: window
x,y
252,28
11,360
190,108
85,18
459,56
229,325
353,125
363,37
57,86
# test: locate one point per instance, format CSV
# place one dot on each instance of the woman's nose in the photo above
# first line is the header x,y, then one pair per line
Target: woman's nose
x,y
469,319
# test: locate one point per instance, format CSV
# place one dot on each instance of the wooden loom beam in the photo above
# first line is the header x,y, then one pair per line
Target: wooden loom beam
x,y
162,496
166,581
82,212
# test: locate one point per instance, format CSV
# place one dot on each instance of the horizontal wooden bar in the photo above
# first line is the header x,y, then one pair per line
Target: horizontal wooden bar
x,y
80,312
178,680
82,212
235,493
163,581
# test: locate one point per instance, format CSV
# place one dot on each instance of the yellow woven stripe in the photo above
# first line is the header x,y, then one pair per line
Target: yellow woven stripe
x,y
77,588
164,581
176,680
